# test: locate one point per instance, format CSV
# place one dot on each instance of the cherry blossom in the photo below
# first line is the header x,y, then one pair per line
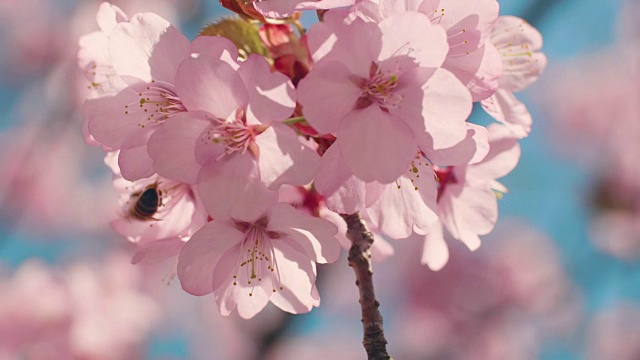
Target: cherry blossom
x,y
145,54
517,42
387,90
94,57
87,310
466,198
234,139
249,261
473,59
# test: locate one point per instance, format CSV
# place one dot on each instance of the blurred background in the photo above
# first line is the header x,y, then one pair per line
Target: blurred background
x,y
559,278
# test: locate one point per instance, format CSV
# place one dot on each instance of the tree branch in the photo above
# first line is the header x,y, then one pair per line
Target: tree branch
x,y
360,260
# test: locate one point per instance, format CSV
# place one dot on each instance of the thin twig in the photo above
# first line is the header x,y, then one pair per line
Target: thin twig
x,y
360,260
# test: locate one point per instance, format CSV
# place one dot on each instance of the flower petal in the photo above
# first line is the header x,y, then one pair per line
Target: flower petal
x,y
147,48
248,295
135,163
158,251
327,95
507,109
446,106
376,145
284,159
231,187
470,150
435,252
297,278
410,36
111,124
311,236
202,253
271,94
172,146
211,86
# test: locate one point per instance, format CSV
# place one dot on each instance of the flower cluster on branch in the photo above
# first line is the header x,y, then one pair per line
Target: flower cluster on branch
x,y
236,153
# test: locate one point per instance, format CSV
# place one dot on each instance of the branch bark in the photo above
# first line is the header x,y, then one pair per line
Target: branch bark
x,y
360,260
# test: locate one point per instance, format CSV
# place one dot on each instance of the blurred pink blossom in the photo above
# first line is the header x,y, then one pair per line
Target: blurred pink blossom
x,y
87,311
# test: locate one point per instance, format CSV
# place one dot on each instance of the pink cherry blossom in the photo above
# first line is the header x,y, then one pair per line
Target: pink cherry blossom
x,y
247,262
234,138
145,54
409,201
94,57
387,92
466,201
44,197
501,302
517,42
473,59
86,311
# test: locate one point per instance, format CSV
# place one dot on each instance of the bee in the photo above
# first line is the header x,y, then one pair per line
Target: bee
x,y
147,203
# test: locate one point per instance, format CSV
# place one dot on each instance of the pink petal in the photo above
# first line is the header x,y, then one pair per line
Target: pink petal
x,y
211,86
355,45
480,70
231,187
284,159
311,236
502,158
297,278
216,48
135,163
158,251
380,10
471,212
435,252
348,198
375,145
172,146
459,15
333,172
411,36
284,8
507,109
271,94
399,209
517,42
202,253
446,106
230,296
470,150
327,83
109,16
110,125
147,48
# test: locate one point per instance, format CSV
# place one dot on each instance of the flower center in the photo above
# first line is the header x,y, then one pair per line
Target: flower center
x,y
444,176
257,257
236,136
157,102
379,89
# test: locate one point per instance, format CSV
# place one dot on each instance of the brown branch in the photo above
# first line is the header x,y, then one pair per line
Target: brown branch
x,y
360,260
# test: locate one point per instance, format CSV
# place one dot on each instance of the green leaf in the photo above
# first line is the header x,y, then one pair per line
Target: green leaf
x,y
242,33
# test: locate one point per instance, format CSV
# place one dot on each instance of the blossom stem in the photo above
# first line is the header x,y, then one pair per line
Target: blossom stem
x,y
360,260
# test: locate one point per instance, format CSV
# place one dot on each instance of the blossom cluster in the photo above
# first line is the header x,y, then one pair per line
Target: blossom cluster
x,y
237,159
